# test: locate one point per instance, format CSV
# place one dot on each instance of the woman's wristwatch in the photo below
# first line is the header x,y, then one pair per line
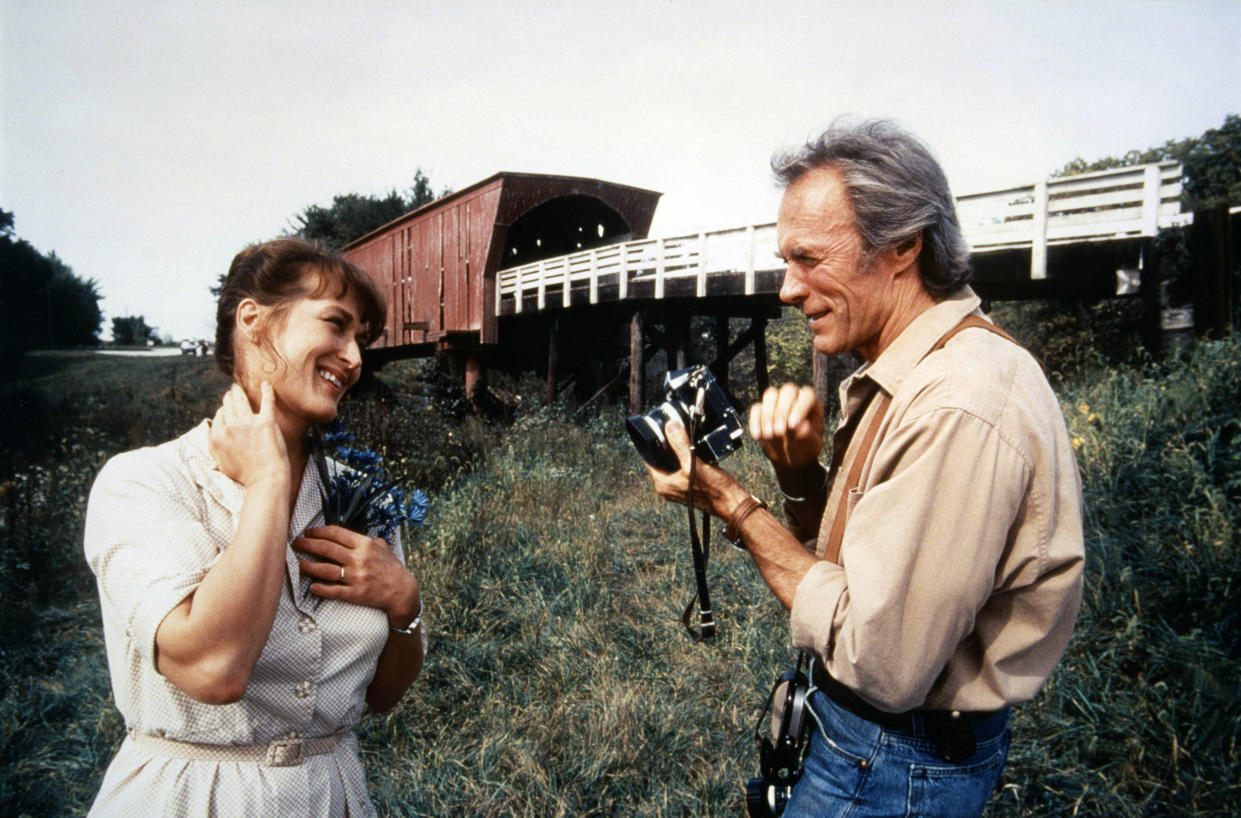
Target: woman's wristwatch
x,y
413,626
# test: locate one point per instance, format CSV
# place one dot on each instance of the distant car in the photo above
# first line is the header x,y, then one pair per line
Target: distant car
x,y
189,347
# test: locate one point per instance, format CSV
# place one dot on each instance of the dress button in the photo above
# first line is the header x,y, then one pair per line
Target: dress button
x,y
307,625
303,689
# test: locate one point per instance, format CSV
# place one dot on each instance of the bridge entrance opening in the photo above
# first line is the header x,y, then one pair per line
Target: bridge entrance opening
x,y
560,226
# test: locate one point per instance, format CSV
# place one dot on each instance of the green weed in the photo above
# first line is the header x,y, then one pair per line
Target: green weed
x,y
560,680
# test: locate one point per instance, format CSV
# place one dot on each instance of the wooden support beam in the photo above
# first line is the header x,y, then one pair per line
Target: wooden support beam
x,y
1214,291
473,374
553,358
637,364
1150,291
681,339
759,325
720,366
822,382
742,341
607,387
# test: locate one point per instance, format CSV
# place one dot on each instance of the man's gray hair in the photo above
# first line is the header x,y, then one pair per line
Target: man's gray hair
x,y
897,190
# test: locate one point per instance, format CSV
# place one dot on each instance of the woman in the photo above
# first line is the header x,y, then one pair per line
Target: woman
x,y
243,635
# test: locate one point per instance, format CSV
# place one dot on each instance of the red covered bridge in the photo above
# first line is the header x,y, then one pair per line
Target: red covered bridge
x,y
437,265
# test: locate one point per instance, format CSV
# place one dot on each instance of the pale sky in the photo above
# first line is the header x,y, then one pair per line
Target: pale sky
x,y
147,142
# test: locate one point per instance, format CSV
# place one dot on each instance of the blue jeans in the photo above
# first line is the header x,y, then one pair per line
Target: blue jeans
x,y
857,768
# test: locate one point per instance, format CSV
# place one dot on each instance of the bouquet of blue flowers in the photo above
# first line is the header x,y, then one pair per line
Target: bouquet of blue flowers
x,y
356,492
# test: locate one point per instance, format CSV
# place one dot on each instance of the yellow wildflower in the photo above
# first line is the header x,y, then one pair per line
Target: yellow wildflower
x,y
1077,442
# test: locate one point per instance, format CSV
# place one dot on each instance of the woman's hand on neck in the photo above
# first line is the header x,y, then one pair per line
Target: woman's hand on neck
x,y
246,442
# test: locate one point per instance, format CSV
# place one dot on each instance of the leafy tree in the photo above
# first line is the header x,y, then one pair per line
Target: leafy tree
x,y
352,215
131,330
43,305
1212,164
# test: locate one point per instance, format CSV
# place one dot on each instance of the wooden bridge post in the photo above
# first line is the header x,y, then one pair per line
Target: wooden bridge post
x,y
637,366
1214,292
678,332
760,353
553,357
1150,290
721,346
822,383
473,374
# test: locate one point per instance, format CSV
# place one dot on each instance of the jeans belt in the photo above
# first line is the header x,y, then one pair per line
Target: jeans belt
x,y
908,720
282,752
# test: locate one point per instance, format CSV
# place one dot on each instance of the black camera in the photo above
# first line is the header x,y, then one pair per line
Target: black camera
x,y
781,749
688,393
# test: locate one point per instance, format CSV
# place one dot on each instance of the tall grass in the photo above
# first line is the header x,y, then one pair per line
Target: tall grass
x,y
560,680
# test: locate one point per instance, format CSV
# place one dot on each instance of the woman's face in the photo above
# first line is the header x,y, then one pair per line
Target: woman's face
x,y
317,356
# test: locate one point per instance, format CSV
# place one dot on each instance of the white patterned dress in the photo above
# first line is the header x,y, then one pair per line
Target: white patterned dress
x,y
157,520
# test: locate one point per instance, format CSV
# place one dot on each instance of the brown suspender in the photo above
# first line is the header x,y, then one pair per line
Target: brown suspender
x,y
837,535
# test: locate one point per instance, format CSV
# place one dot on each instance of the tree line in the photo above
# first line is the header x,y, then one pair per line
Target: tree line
x,y
43,304
352,215
1211,164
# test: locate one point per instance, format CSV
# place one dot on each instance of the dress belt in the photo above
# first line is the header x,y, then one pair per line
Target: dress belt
x,y
283,752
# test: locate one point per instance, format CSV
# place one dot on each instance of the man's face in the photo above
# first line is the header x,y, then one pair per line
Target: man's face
x,y
847,301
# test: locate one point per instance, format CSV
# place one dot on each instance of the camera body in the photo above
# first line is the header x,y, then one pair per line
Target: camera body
x,y
780,752
719,430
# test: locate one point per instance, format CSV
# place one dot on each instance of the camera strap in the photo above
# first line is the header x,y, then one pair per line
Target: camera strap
x,y
700,547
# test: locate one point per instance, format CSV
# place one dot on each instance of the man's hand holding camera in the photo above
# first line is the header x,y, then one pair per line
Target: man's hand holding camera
x,y
789,425
715,490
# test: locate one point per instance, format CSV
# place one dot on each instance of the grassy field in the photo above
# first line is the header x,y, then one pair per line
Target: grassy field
x,y
560,681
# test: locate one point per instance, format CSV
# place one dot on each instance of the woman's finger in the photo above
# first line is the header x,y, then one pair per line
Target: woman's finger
x,y
337,534
267,401
327,549
326,571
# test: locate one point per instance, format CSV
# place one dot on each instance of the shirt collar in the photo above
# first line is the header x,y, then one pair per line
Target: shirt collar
x,y
896,362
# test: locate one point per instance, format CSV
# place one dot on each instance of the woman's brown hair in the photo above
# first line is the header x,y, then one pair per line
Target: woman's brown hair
x,y
278,272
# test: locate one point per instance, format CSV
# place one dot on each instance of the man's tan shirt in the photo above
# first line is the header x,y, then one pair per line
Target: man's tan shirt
x,y
961,566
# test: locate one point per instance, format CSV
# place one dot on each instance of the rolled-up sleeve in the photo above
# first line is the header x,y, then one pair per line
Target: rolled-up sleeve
x,y
146,546
918,560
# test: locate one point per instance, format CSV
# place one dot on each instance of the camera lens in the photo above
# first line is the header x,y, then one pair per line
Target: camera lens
x,y
764,800
647,433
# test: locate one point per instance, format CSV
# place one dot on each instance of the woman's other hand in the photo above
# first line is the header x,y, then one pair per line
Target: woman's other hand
x,y
247,445
359,569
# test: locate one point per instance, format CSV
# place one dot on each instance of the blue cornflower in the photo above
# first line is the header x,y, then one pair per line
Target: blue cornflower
x,y
354,489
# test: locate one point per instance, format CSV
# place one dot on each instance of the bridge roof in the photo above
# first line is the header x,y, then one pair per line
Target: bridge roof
x,y
523,190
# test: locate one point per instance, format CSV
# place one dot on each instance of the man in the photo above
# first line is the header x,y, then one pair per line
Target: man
x,y
941,571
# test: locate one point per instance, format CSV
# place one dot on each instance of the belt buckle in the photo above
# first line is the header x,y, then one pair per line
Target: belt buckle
x,y
953,734
285,752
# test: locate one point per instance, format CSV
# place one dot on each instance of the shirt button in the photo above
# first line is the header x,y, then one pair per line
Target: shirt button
x,y
303,689
307,625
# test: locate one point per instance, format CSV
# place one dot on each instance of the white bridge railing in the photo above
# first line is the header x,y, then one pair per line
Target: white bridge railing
x,y
1114,204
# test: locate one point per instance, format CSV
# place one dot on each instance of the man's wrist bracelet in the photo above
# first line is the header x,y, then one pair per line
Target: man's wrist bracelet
x,y
821,487
412,626
732,531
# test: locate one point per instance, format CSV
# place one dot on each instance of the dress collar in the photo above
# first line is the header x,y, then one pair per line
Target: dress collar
x,y
229,493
